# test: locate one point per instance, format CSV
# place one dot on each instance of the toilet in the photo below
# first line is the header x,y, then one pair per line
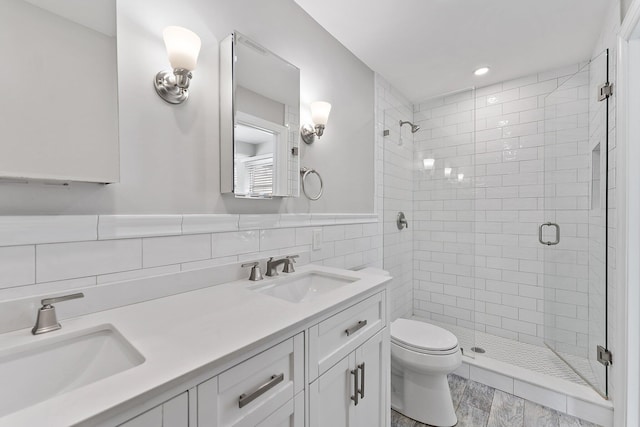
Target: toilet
x,y
421,357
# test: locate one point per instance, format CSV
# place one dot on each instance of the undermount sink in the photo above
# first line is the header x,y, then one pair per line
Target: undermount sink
x,y
304,287
33,373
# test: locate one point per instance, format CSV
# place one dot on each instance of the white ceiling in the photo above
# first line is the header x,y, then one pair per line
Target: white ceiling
x,y
430,47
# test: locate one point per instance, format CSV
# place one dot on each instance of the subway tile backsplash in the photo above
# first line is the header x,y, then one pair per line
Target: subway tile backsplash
x,y
44,255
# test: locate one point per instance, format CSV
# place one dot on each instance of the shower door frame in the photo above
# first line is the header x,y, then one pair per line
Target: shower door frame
x,y
605,152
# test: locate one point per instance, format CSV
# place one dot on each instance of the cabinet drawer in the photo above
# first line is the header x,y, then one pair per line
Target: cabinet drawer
x,y
173,413
335,337
247,393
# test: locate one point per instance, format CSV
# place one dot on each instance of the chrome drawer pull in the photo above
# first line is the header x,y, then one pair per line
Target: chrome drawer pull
x,y
246,399
355,386
355,328
361,367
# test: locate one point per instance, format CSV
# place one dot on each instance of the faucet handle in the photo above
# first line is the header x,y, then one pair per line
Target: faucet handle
x,y
54,300
288,266
255,274
47,320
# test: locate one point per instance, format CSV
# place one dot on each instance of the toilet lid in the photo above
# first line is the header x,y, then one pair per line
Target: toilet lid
x,y
422,335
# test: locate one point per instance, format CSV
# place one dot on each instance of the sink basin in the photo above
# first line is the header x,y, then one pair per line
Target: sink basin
x,y
35,372
304,287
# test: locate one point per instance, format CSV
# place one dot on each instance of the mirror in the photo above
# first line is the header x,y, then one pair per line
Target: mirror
x,y
59,105
259,121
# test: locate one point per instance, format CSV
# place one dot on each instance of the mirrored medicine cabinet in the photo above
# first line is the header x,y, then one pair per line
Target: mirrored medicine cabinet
x,y
59,103
259,121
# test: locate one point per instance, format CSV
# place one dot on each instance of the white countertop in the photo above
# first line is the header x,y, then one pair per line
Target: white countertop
x,y
181,336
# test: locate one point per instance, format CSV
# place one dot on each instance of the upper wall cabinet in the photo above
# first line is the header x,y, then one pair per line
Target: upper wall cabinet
x,y
259,121
59,104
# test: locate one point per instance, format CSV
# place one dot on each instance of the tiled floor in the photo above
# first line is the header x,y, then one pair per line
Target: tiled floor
x,y
478,405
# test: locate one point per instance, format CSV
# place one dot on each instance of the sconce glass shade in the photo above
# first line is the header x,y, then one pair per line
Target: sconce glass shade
x,y
320,112
183,47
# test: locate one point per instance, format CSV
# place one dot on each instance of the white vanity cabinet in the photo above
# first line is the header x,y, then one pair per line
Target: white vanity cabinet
x,y
255,391
353,390
332,372
173,413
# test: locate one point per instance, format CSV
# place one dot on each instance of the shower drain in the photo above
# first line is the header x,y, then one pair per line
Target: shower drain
x,y
479,350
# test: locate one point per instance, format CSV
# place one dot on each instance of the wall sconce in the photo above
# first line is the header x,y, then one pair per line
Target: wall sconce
x,y
183,47
319,116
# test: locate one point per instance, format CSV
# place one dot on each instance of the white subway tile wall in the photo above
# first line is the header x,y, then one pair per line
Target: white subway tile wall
x,y
477,259
395,157
44,260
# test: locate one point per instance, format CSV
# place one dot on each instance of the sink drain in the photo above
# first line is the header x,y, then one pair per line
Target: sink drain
x,y
478,350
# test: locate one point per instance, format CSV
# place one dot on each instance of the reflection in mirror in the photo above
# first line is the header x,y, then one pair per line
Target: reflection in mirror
x,y
59,120
260,95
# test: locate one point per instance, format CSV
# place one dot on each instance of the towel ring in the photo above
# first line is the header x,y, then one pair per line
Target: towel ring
x,y
305,172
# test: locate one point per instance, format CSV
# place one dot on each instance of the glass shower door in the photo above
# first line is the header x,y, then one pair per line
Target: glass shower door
x,y
573,234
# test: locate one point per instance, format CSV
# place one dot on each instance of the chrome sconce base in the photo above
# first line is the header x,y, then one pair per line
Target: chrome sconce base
x,y
173,86
309,132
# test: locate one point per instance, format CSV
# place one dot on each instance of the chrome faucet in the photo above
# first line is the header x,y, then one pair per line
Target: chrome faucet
x,y
288,261
47,320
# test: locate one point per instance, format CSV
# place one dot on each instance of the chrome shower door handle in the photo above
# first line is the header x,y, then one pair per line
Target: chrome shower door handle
x,y
540,230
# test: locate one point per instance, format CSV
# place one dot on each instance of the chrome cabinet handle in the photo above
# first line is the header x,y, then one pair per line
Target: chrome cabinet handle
x,y
361,367
245,399
549,224
356,389
355,328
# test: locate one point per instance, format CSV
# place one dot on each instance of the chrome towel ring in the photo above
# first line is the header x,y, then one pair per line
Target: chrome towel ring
x,y
305,172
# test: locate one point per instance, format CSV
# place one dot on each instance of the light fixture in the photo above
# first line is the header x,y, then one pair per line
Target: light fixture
x,y
481,71
460,177
447,172
428,163
319,116
183,47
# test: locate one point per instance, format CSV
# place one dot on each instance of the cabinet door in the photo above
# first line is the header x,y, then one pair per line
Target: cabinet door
x,y
371,367
172,413
330,402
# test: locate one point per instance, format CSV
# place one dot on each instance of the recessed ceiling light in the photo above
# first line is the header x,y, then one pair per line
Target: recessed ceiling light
x,y
481,71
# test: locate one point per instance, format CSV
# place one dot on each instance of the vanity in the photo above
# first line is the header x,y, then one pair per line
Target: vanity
x,y
308,348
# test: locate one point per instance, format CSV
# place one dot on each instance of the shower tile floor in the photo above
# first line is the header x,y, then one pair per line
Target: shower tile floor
x,y
535,358
478,405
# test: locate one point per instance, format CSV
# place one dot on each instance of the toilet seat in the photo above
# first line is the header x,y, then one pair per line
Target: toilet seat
x,y
423,337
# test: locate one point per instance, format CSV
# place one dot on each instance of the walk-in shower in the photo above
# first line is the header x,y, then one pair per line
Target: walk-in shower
x,y
505,188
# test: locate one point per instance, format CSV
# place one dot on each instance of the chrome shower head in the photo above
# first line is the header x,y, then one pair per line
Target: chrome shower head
x,y
414,128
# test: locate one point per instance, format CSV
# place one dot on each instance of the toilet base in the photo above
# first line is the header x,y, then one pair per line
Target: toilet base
x,y
424,398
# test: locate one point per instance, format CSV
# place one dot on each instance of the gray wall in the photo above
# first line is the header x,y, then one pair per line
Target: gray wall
x,y
169,154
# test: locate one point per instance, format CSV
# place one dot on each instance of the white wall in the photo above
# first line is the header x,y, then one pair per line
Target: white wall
x,y
169,154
